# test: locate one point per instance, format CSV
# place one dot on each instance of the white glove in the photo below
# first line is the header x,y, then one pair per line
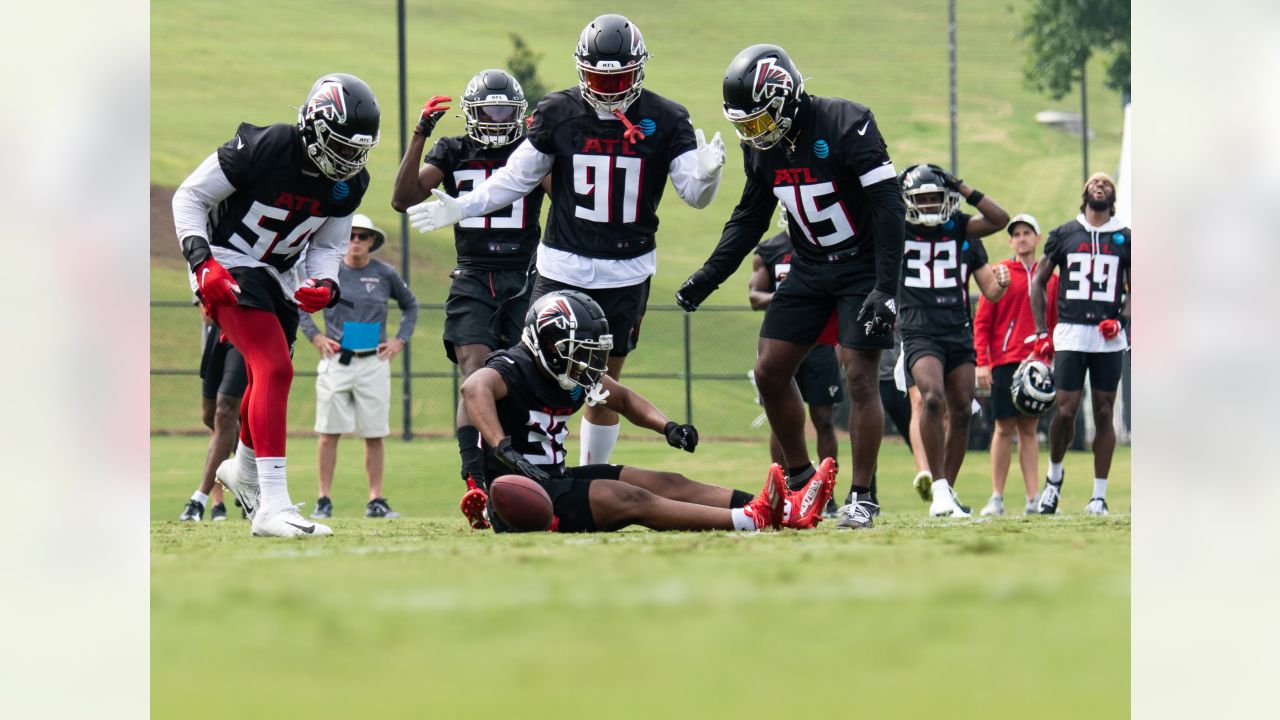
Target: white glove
x,y
710,155
428,216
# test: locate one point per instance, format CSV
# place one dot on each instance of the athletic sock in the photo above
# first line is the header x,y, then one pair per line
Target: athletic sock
x,y
741,521
472,455
862,496
1055,473
740,499
597,442
941,486
204,499
272,483
997,496
1100,487
246,462
798,477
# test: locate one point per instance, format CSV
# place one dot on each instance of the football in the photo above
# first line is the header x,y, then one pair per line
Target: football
x,y
521,503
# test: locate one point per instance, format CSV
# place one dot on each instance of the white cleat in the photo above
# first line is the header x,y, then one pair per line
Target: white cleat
x,y
1096,506
244,490
923,483
994,506
945,505
287,522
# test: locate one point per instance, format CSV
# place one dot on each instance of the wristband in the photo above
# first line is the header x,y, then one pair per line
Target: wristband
x,y
975,197
196,250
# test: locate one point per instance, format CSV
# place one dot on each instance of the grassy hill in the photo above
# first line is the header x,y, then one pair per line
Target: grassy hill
x,y
217,64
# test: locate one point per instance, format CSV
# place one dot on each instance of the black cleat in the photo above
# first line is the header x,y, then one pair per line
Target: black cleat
x,y
193,512
324,508
1049,496
218,512
378,508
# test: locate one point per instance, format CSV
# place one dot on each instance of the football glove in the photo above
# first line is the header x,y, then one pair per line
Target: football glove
x,y
878,313
316,295
217,287
684,437
517,463
710,155
443,212
431,114
1109,328
694,290
1041,345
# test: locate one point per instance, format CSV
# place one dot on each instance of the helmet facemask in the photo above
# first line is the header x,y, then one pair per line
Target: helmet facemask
x,y
571,345
339,125
495,123
609,86
1033,388
763,128
338,157
930,205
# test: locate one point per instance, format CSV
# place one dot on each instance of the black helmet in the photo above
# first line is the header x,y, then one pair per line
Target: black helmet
x,y
1033,391
762,95
610,57
494,106
929,201
569,335
339,124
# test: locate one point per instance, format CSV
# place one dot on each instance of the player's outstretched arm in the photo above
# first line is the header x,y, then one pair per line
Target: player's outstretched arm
x,y
413,184
526,167
747,224
480,395
639,411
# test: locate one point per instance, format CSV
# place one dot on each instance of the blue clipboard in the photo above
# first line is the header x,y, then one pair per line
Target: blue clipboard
x,y
360,336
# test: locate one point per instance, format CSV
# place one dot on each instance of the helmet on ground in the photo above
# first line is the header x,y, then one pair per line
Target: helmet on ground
x,y
1033,391
339,124
493,106
610,58
929,201
762,95
569,336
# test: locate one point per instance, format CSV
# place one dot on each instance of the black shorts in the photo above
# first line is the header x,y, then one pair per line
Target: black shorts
x,y
259,289
221,367
1002,391
485,307
570,498
803,304
819,377
953,350
1104,370
623,307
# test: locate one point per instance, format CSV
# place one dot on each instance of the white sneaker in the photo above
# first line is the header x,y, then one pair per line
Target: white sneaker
x,y
994,506
244,489
1096,506
1033,507
945,505
924,485
286,521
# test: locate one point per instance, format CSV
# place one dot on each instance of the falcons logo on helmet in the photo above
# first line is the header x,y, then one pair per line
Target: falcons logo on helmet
x,y
770,80
328,103
557,313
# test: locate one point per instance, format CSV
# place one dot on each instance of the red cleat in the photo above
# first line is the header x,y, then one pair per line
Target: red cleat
x,y
767,507
808,502
473,506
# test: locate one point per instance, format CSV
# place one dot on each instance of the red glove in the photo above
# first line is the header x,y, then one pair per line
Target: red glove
x,y
1109,328
217,287
315,295
1041,345
431,114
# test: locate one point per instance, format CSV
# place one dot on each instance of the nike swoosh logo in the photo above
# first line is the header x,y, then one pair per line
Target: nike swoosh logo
x,y
513,362
308,529
239,143
863,131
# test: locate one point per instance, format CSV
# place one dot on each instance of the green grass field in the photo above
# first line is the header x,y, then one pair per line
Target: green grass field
x,y
421,617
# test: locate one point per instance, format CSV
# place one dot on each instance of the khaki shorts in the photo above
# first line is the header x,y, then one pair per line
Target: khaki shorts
x,y
353,398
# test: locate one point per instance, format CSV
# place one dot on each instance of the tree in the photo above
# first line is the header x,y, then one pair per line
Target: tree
x,y
523,64
1063,34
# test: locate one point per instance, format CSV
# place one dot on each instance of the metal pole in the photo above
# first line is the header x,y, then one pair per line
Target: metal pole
x,y
688,372
1084,122
951,48
406,392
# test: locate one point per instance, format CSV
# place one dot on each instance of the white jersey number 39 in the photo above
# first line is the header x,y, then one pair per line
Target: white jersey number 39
x,y
1092,277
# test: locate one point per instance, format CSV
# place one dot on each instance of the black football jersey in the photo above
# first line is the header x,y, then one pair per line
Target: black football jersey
x,y
1093,270
775,253
933,292
605,190
503,239
280,197
536,410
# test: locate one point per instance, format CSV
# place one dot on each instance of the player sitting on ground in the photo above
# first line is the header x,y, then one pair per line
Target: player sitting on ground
x,y
521,402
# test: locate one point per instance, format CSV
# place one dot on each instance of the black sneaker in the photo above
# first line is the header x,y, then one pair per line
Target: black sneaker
x,y
324,508
193,512
831,510
1048,504
218,512
378,508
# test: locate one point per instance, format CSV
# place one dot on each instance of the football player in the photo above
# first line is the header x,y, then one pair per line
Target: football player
x,y
244,219
522,399
826,162
941,251
490,291
610,145
1093,308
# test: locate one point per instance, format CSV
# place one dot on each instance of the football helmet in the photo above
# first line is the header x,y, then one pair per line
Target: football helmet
x,y
610,57
339,125
1033,391
929,202
569,336
763,92
493,106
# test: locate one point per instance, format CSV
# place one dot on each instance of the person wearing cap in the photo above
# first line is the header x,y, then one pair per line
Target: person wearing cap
x,y
1093,252
353,379
999,328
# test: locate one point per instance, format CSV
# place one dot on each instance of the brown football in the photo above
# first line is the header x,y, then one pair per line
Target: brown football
x,y
521,503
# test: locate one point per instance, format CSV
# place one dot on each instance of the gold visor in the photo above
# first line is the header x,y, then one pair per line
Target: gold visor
x,y
754,126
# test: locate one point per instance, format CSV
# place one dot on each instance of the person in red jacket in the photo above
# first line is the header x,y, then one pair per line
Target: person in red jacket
x,y
998,332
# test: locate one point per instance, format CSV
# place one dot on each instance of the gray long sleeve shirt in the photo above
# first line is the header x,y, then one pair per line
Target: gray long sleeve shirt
x,y
365,292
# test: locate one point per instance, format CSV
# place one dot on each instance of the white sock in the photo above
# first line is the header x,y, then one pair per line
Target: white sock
x,y
204,499
742,521
997,496
1055,472
246,462
273,487
1100,487
941,486
597,442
